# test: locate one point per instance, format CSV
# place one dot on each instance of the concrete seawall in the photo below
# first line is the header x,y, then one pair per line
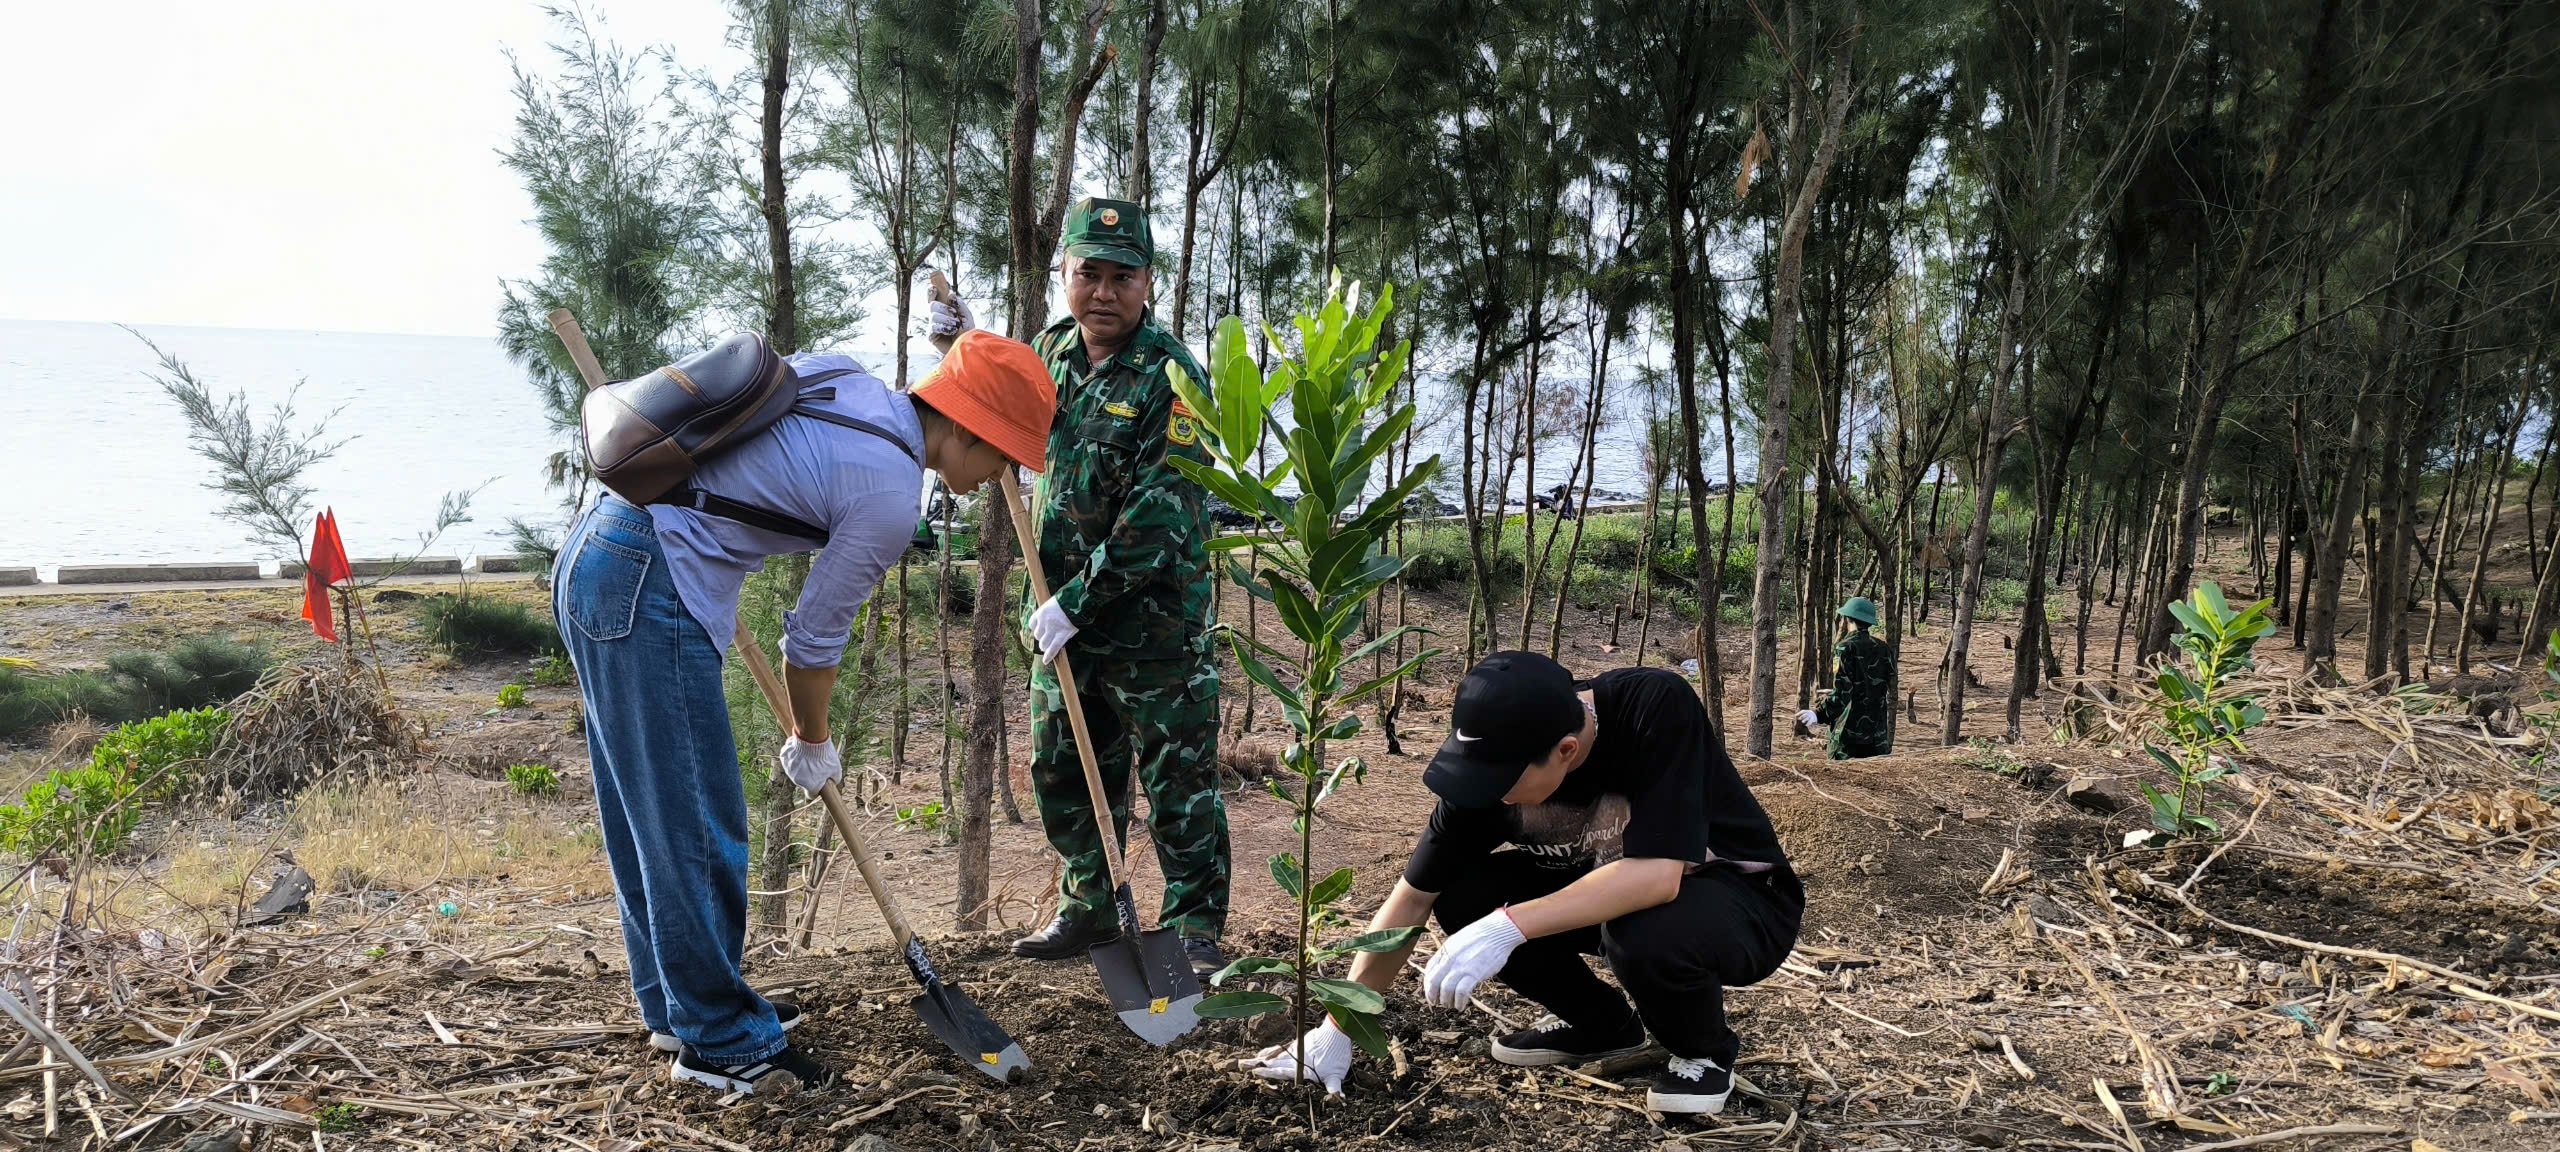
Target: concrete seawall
x,y
125,576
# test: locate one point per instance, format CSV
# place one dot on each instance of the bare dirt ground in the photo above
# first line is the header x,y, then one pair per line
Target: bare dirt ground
x,y
2377,955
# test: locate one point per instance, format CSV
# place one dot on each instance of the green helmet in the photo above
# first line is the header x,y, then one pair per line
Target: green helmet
x,y
1860,609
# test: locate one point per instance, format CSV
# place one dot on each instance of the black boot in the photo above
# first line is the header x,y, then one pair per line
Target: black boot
x,y
1065,938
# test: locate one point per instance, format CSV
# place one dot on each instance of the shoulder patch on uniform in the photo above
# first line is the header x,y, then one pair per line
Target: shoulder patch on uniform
x,y
1123,411
1182,428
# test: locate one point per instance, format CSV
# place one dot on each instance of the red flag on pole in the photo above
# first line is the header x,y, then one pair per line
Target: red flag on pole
x,y
326,565
328,555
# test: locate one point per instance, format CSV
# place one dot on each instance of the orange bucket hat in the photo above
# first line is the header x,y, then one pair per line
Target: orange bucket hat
x,y
1000,391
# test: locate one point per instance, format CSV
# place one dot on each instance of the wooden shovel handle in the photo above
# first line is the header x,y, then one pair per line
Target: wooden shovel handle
x,y
565,325
1023,532
780,701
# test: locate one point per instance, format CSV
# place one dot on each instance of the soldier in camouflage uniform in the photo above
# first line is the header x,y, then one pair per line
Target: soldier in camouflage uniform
x,y
1859,708
1125,537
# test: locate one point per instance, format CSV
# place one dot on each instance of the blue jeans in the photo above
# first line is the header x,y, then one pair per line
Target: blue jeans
x,y
674,811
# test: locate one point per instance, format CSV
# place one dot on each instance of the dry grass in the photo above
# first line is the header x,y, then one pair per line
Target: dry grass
x,y
406,835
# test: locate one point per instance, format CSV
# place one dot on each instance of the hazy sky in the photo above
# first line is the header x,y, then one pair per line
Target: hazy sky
x,y
278,164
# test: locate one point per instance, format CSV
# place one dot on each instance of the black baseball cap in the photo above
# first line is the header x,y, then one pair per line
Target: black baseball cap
x,y
1510,710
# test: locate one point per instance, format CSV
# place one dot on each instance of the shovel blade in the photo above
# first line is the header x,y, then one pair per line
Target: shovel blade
x,y
956,1021
1150,984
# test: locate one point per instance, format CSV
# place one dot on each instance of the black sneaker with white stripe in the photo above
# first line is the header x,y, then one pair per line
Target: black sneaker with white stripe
x,y
780,1074
1693,1087
1553,1042
788,1014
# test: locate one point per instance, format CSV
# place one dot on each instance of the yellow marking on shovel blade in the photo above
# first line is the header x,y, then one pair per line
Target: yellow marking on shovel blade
x,y
988,1058
1158,1006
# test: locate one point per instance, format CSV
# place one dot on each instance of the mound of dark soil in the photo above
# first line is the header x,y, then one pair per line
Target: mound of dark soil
x,y
2412,913
1093,1085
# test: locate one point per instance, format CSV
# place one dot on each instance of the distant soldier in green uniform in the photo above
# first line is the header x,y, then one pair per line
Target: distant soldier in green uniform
x,y
1859,708
1124,537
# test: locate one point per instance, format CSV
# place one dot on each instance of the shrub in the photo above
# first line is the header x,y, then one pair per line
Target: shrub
x,y
68,805
533,779
101,801
143,750
191,674
511,696
30,699
553,671
482,625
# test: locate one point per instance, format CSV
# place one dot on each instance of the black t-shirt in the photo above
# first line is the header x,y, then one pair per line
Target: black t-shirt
x,y
1657,785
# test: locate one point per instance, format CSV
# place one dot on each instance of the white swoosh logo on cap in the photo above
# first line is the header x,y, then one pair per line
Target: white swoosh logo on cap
x,y
1463,738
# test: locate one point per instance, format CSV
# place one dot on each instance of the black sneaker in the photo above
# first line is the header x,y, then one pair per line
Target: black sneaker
x,y
788,1014
1204,956
1693,1087
780,1074
1065,939
1555,1042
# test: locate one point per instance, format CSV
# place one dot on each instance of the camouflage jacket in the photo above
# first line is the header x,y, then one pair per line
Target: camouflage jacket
x,y
1859,708
1123,536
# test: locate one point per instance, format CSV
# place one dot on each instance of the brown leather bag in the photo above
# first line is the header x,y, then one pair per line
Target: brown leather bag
x,y
646,437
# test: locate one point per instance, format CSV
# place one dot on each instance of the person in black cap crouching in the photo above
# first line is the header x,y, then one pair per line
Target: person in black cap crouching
x,y
1630,837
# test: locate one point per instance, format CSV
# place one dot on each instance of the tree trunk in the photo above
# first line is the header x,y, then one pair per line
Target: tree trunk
x,y
1142,167
782,328
1986,484
1776,483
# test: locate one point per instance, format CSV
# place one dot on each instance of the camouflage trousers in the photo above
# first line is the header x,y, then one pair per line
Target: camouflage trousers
x,y
1160,717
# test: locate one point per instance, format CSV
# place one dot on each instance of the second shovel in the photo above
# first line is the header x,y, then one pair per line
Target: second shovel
x,y
1145,974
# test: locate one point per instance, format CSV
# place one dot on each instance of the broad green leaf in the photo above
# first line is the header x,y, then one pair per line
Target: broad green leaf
x,y
1368,686
1391,501
1244,579
1364,651
1297,613
1382,940
1254,966
1345,994
1262,674
1239,1005
2209,595
1353,767
1330,888
1285,870
1364,1031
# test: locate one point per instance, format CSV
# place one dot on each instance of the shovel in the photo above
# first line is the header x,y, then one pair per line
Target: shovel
x,y
948,1012
1149,980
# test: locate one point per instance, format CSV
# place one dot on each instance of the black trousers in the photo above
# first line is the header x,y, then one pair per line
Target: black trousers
x,y
1726,928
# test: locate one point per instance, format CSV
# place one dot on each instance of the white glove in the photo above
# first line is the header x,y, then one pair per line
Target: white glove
x,y
949,318
811,766
1809,718
1328,1055
1050,629
1476,952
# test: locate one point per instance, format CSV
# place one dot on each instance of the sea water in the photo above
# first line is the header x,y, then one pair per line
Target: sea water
x,y
100,466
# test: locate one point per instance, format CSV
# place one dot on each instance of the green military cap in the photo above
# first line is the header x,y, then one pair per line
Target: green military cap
x,y
1114,230
1860,609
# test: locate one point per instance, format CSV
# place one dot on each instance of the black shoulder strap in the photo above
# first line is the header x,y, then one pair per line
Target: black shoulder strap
x,y
748,514
855,423
767,519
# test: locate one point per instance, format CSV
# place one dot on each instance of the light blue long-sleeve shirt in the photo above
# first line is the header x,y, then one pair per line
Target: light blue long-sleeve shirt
x,y
859,487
